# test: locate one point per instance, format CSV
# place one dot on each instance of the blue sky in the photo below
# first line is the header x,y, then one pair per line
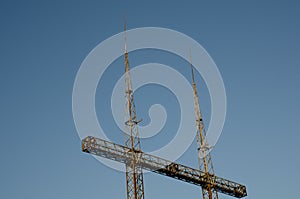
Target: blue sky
x,y
43,43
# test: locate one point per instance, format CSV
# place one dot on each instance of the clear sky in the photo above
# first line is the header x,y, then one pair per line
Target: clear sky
x,y
43,43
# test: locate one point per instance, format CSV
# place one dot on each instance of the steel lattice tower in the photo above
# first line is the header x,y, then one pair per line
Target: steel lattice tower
x,y
134,173
203,148
136,160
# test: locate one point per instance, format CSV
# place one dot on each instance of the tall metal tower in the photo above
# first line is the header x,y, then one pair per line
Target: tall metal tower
x,y
134,173
204,157
136,160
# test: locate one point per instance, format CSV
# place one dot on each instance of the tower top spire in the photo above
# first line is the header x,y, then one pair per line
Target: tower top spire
x,y
191,64
125,47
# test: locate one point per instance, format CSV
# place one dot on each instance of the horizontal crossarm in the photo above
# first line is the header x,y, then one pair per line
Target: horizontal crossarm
x,y
155,164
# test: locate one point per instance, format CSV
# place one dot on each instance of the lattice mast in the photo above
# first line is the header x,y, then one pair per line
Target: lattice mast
x,y
204,157
134,173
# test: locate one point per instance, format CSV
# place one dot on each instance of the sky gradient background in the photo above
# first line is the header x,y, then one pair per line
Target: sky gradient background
x,y
255,45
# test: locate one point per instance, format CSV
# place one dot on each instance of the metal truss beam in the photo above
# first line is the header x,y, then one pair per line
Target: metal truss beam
x,y
158,165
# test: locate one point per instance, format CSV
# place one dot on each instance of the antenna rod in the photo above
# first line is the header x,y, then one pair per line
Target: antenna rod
x,y
125,48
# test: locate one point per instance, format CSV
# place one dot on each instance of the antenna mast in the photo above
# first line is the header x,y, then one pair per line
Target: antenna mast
x,y
204,157
135,160
134,173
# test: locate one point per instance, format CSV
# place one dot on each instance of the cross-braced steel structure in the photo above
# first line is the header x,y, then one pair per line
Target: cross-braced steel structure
x,y
203,148
159,165
134,172
135,160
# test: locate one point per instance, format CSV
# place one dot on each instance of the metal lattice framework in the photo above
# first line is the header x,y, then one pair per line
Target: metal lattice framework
x,y
204,158
135,160
158,165
134,173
